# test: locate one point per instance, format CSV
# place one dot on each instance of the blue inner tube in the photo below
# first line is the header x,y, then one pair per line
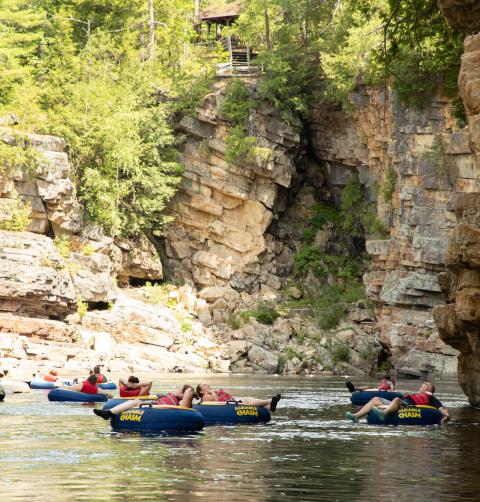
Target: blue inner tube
x,y
409,415
361,397
73,396
221,413
158,419
41,384
224,413
107,385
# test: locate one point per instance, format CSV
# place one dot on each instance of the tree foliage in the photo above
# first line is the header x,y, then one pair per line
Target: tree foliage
x,y
87,76
112,81
326,47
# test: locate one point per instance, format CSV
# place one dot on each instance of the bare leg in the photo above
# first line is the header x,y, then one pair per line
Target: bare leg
x,y
145,390
251,401
106,414
393,407
131,403
375,401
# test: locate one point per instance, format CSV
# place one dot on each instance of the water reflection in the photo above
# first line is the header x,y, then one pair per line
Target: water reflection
x,y
56,451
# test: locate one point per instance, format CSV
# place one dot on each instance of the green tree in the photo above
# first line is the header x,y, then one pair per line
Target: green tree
x,y
21,33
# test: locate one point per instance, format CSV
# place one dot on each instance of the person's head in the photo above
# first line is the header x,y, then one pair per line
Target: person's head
x,y
53,372
427,387
92,379
202,389
187,387
133,379
96,370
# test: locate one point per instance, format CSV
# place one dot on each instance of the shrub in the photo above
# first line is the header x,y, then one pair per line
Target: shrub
x,y
156,294
340,353
17,216
359,215
82,307
62,243
309,258
263,314
388,186
238,103
21,154
184,321
88,249
331,316
239,146
234,321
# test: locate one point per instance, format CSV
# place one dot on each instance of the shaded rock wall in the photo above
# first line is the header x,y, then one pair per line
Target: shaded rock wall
x,y
222,212
462,14
426,156
459,321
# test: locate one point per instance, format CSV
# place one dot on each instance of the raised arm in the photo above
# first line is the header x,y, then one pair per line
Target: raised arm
x,y
125,383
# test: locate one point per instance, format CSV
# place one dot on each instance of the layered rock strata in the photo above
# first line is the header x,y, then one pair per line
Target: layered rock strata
x,y
459,321
462,14
42,277
133,336
223,211
423,154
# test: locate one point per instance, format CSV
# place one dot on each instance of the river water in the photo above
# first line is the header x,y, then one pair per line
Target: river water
x,y
57,451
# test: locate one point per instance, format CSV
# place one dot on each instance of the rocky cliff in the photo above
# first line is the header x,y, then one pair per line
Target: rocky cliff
x,y
459,321
223,212
421,155
59,259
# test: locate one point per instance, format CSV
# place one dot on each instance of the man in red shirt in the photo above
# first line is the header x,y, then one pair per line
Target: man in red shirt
x,y
383,407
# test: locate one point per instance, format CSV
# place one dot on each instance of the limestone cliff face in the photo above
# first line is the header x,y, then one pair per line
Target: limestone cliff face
x,y
222,212
426,155
36,279
459,321
461,14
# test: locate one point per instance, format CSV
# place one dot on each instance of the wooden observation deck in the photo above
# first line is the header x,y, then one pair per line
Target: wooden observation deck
x,y
241,55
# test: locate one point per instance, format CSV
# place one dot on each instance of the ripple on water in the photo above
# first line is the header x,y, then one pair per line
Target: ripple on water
x,y
308,452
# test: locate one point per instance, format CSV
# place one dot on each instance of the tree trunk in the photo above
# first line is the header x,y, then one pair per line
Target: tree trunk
x,y
151,30
196,14
267,30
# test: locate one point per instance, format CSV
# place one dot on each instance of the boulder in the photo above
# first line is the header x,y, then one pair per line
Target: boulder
x,y
237,349
213,293
263,358
14,386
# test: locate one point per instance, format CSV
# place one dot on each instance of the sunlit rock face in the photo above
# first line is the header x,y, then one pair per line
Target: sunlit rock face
x,y
32,269
459,321
33,278
223,212
462,14
428,159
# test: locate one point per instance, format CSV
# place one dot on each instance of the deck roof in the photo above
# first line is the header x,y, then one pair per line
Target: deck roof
x,y
225,12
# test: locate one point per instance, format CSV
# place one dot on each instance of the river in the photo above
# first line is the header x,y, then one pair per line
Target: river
x,y
57,451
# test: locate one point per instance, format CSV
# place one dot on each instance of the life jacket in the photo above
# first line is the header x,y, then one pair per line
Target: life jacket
x,y
419,398
50,378
170,399
88,388
128,392
224,396
101,378
384,384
